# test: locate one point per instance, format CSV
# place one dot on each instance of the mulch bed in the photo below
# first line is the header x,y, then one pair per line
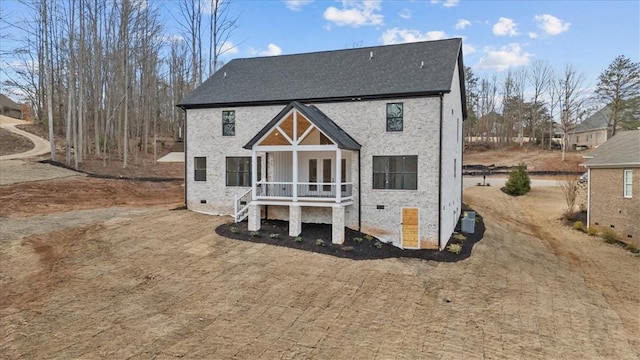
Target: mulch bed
x,y
276,232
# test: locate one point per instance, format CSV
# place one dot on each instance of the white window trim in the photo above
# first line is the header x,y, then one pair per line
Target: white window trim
x,y
626,194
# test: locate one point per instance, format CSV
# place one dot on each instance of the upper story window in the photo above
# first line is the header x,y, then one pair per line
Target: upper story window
x,y
395,113
229,123
200,168
628,183
395,172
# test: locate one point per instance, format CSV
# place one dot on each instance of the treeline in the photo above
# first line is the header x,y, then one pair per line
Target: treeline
x,y
105,75
523,104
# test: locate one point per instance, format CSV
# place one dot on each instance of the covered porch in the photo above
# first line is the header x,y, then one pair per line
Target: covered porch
x,y
309,164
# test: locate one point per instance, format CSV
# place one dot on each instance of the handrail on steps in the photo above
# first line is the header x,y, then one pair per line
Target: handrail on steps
x,y
237,210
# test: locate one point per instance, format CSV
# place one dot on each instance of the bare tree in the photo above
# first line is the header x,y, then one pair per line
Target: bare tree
x,y
571,100
539,80
569,186
222,26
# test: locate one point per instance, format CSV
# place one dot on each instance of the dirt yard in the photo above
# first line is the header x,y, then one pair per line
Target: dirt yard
x,y
132,282
535,158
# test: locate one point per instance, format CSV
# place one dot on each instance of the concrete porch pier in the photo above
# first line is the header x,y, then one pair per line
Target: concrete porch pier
x,y
253,222
295,220
337,225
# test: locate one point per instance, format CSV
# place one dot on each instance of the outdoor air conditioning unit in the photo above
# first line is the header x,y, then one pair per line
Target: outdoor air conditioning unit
x,y
469,222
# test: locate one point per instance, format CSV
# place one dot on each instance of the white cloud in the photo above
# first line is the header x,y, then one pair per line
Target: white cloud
x,y
405,13
551,25
355,13
272,50
228,48
446,3
503,58
398,36
462,23
505,26
297,5
533,35
468,49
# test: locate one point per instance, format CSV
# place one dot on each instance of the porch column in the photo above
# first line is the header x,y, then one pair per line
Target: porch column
x,y
337,225
338,173
254,175
294,191
295,220
253,222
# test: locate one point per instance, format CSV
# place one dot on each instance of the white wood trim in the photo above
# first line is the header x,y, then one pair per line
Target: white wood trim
x,y
301,203
295,127
277,127
306,132
254,172
338,173
295,173
288,148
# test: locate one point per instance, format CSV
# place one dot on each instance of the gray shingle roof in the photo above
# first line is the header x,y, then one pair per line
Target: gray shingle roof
x,y
620,150
596,121
394,70
319,119
5,102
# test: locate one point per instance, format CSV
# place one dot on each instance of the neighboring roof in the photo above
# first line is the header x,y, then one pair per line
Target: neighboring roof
x,y
623,149
5,102
317,118
413,69
597,121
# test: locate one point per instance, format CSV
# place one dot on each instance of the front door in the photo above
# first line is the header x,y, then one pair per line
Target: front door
x,y
410,225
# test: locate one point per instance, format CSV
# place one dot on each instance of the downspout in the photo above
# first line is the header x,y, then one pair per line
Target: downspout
x,y
184,143
588,198
266,176
359,193
440,175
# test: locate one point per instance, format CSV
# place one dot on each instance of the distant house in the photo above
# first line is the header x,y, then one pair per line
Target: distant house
x,y
10,108
367,138
613,198
592,132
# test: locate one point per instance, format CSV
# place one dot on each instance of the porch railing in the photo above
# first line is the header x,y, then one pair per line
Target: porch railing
x,y
284,190
241,205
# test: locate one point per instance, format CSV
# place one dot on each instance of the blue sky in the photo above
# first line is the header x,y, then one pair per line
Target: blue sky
x,y
497,35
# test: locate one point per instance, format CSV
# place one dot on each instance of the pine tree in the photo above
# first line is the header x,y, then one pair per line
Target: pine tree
x,y
619,89
518,182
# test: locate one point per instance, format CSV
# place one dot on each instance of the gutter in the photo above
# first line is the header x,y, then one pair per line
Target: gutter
x,y
281,102
440,174
359,192
184,140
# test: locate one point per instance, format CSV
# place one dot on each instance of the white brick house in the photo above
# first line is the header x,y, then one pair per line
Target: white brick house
x,y
367,138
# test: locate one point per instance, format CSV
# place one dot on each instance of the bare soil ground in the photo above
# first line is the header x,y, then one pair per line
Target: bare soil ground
x,y
139,165
11,143
77,193
162,284
95,268
535,158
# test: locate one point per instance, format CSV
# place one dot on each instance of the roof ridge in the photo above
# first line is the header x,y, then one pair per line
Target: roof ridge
x,y
348,49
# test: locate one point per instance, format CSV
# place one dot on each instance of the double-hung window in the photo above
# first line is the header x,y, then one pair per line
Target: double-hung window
x,y
395,172
200,168
628,183
238,171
